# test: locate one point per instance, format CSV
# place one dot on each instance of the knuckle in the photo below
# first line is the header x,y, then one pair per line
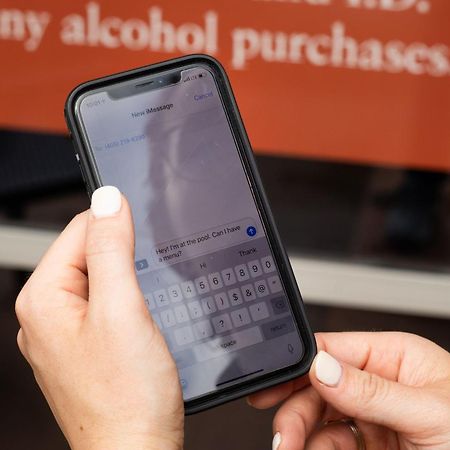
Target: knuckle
x,y
409,338
104,241
32,305
21,343
21,305
373,389
20,340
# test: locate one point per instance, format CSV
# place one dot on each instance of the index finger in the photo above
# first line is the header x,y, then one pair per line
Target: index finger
x,y
270,397
387,354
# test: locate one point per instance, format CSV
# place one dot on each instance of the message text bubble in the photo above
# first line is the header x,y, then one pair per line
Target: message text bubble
x,y
207,241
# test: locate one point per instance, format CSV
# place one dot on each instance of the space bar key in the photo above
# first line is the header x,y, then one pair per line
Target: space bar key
x,y
227,344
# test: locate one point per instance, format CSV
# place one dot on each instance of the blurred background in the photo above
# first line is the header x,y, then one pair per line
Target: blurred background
x,y
347,105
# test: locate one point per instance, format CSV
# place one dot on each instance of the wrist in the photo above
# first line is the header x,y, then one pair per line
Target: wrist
x,y
128,442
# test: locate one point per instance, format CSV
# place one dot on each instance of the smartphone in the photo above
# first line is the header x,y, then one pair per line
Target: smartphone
x,y
208,256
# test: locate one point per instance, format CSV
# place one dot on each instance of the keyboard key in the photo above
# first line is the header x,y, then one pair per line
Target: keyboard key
x,y
168,318
221,301
277,327
184,336
195,309
223,345
228,277
208,305
240,317
222,323
150,301
235,296
203,329
248,292
188,289
259,311
202,285
175,293
274,284
161,297
215,280
267,264
261,288
255,268
141,264
242,272
181,313
279,305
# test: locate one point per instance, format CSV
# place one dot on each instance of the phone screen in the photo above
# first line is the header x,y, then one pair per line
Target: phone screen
x,y
203,260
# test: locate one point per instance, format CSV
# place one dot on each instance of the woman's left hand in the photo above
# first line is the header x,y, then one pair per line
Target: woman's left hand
x,y
394,387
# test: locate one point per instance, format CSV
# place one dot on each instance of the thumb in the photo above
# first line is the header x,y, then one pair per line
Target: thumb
x,y
110,251
367,396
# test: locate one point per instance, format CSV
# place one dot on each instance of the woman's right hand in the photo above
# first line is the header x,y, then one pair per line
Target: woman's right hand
x,y
98,356
396,387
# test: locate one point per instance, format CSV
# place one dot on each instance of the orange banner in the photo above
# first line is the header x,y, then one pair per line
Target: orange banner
x,y
364,81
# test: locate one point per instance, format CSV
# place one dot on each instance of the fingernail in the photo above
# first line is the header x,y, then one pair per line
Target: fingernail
x,y
328,370
276,441
106,201
249,403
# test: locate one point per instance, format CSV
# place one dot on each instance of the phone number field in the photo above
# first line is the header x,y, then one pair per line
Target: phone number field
x,y
120,142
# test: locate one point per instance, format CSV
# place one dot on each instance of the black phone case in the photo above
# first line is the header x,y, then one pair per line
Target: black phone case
x,y
92,181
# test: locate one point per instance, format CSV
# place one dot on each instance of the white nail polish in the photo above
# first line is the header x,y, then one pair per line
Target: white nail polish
x,y
328,370
106,201
276,441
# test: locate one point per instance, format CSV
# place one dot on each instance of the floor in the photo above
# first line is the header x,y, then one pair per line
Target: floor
x,y
26,422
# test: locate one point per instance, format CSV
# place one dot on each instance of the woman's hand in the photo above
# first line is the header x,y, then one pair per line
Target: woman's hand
x,y
395,385
96,353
